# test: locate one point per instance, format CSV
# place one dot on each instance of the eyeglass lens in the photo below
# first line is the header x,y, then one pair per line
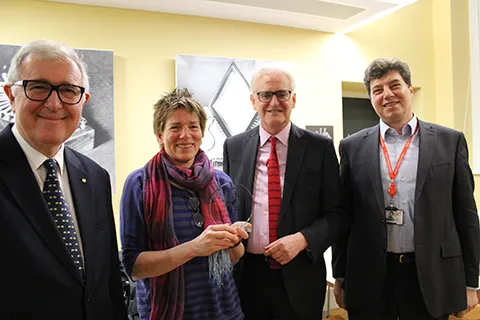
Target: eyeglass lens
x,y
282,95
40,90
194,206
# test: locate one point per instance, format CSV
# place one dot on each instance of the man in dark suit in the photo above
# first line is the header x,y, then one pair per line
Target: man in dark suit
x,y
412,251
294,207
57,234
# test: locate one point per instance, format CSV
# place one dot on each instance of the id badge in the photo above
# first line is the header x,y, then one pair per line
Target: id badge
x,y
394,216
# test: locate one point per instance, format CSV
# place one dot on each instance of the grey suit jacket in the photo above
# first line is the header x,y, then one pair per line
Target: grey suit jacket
x,y
39,279
447,239
310,204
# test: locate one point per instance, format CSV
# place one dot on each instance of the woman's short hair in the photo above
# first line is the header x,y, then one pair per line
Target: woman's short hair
x,y
178,98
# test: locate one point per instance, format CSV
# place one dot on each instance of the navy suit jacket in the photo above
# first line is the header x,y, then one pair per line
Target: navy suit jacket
x,y
447,238
310,204
39,280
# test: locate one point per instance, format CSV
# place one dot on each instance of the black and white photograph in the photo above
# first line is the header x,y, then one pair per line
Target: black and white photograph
x,y
94,136
222,86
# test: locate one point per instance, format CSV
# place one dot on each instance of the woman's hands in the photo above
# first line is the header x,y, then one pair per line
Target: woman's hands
x,y
217,237
241,227
237,250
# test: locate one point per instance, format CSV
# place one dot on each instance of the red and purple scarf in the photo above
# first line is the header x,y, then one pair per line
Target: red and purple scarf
x,y
167,292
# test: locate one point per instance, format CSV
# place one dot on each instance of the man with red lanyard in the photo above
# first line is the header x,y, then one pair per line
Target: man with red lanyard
x,y
413,246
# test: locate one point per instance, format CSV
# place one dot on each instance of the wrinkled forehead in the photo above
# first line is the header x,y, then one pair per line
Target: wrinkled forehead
x,y
55,71
273,80
389,77
182,115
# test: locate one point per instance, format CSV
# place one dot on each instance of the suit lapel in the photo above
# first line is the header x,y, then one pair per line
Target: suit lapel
x,y
24,189
372,161
84,206
295,153
428,137
249,160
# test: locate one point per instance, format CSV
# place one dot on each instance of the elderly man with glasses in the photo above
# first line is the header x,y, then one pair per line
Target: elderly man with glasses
x,y
296,207
57,234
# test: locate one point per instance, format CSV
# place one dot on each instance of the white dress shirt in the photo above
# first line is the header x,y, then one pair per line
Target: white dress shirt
x,y
36,159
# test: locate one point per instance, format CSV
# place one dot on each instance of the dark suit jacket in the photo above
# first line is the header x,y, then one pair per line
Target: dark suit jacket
x,y
38,279
310,204
447,240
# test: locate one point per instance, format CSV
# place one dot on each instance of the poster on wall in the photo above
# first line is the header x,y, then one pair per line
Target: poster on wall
x,y
326,131
94,136
222,86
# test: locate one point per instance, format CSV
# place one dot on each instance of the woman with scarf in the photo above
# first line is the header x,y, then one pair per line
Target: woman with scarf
x,y
176,222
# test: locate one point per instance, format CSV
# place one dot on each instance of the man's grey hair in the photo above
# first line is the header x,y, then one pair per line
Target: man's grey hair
x,y
45,50
263,71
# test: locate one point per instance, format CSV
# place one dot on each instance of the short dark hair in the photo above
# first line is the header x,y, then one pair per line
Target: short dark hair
x,y
178,98
381,66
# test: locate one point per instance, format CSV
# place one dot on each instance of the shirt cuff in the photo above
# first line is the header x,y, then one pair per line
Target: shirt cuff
x,y
472,288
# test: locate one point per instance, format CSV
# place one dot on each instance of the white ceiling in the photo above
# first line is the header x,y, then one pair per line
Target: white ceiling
x,y
322,15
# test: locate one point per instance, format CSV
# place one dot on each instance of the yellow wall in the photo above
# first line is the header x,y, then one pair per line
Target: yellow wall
x,y
145,45
408,35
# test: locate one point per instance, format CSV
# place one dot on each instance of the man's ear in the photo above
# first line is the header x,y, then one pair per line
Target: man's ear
x,y
8,91
87,97
252,100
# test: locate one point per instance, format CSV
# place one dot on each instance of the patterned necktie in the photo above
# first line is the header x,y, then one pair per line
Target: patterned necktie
x,y
52,192
274,196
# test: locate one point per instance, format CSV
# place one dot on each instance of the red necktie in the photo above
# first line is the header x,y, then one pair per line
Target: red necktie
x,y
274,196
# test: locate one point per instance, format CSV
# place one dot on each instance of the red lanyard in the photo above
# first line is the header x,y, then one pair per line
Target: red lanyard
x,y
392,190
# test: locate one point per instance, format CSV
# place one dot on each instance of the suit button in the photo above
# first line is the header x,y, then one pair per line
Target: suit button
x,y
384,251
88,299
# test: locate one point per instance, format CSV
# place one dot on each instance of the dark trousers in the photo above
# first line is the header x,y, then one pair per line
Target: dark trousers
x,y
262,292
403,298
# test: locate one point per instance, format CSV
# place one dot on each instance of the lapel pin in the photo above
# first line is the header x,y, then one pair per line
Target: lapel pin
x,y
84,180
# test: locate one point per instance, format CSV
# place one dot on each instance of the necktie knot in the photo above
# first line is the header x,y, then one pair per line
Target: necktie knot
x,y
272,159
273,141
50,166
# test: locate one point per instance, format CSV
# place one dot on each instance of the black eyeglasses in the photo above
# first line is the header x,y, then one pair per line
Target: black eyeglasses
x,y
282,95
193,204
37,90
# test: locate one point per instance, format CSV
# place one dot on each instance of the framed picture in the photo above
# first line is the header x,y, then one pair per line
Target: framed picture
x,y
222,86
326,131
94,136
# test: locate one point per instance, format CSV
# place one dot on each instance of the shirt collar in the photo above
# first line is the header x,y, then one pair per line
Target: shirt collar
x,y
411,125
282,136
34,157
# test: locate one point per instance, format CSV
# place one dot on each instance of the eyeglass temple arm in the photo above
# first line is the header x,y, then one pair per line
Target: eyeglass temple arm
x,y
243,226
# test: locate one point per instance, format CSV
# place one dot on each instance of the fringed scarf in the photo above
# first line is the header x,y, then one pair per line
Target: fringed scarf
x,y
167,292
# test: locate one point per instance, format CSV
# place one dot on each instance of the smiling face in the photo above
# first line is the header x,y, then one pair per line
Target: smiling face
x,y
181,137
274,114
391,98
45,125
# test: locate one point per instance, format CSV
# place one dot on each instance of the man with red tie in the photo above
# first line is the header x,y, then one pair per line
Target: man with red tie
x,y
295,207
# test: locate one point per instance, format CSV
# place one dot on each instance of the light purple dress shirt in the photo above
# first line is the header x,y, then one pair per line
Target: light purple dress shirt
x,y
259,238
